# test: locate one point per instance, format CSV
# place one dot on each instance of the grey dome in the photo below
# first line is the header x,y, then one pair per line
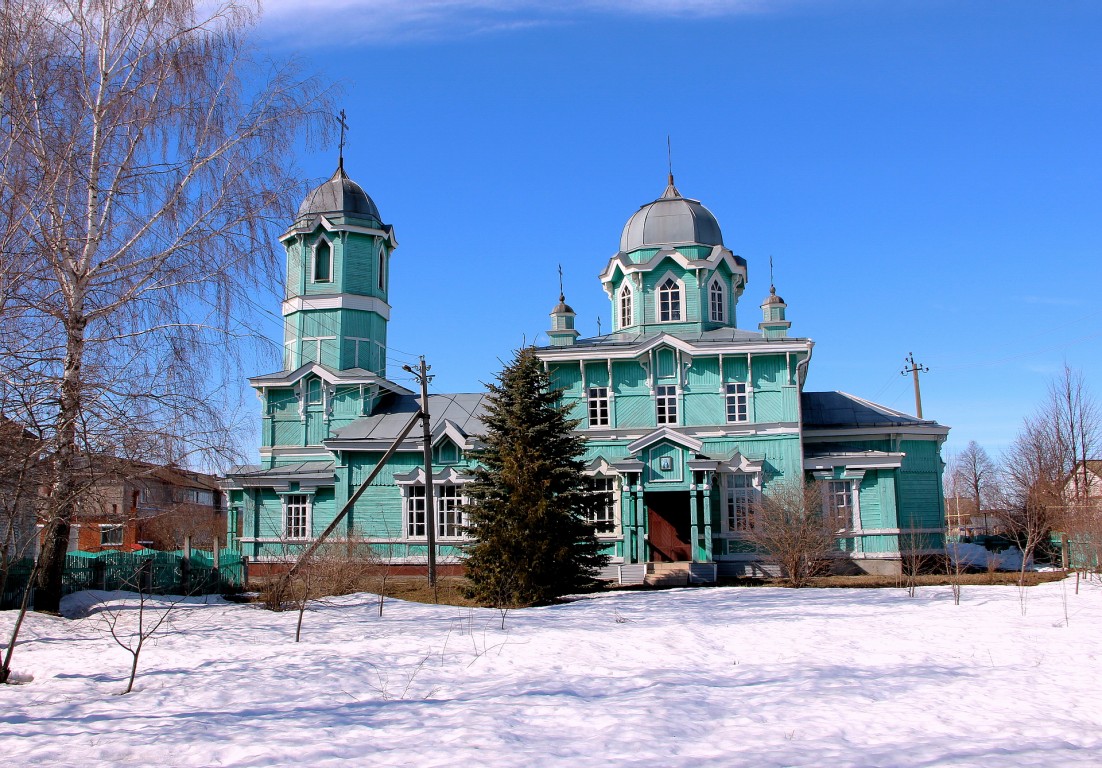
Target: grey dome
x,y
773,298
670,220
339,195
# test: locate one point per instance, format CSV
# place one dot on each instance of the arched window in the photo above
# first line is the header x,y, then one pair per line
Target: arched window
x,y
717,301
323,262
626,316
382,268
669,301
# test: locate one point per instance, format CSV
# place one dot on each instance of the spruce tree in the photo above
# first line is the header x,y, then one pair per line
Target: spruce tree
x,y
532,541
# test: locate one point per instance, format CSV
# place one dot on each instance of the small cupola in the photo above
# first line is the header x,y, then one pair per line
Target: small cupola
x,y
773,324
562,333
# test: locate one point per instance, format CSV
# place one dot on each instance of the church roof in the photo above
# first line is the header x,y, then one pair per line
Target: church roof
x,y
832,410
339,195
670,220
463,410
717,336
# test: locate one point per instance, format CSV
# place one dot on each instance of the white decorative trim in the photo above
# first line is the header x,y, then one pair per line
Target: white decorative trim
x,y
665,433
855,461
626,266
338,301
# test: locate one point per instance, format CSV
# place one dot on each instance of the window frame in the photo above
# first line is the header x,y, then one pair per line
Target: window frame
x,y
627,307
314,264
832,491
597,406
737,403
717,301
604,520
450,503
414,511
669,305
665,404
118,528
302,523
741,493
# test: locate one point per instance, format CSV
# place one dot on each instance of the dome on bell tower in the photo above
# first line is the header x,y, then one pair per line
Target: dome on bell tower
x,y
339,195
670,220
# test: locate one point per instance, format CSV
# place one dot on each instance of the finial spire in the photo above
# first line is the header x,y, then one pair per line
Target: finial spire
x,y
562,296
772,283
669,158
344,127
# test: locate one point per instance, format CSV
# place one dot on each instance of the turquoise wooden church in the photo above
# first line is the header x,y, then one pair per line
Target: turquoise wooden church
x,y
688,418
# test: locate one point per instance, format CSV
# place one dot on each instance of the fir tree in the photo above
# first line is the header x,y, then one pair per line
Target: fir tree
x,y
532,541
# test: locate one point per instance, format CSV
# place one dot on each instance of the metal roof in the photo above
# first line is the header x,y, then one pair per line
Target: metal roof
x,y
824,410
670,220
464,410
339,195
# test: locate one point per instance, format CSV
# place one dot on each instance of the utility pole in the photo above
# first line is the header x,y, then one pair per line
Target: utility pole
x,y
422,376
914,369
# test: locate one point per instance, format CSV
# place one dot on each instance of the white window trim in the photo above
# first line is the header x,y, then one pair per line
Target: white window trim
x,y
590,399
682,309
628,296
309,515
716,282
617,488
676,399
855,502
438,500
729,488
314,260
726,400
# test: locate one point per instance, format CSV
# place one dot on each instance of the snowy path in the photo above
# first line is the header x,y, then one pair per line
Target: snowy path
x,y
756,677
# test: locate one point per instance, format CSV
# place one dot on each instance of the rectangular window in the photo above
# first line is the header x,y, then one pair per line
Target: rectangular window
x,y
415,512
110,535
604,516
665,399
839,503
598,406
449,507
296,510
740,502
737,403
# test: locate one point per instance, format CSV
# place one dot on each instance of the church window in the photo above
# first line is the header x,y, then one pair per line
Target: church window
x,y
598,406
296,516
415,511
741,495
669,301
665,399
382,269
737,402
603,514
451,523
717,301
839,504
323,262
626,315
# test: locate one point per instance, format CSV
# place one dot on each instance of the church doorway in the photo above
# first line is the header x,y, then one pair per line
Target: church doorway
x,y
669,526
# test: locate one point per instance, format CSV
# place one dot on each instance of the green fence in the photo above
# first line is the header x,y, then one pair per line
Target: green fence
x,y
159,573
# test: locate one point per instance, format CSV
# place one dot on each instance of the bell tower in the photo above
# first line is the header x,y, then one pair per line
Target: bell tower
x,y
335,309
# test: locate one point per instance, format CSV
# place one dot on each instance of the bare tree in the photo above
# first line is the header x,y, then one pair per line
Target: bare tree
x,y
1035,476
789,524
133,626
146,152
975,474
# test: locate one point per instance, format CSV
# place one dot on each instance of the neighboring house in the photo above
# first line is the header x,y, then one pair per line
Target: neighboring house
x,y
131,505
20,480
688,418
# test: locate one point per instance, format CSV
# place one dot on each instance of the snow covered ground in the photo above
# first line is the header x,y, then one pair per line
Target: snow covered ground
x,y
739,676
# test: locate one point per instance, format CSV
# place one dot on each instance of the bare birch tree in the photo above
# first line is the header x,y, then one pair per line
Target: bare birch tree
x,y
147,156
975,475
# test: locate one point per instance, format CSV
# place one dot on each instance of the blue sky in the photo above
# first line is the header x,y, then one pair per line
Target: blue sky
x,y
927,175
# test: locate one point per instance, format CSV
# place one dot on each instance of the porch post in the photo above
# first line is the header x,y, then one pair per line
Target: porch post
x,y
706,507
694,518
640,521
